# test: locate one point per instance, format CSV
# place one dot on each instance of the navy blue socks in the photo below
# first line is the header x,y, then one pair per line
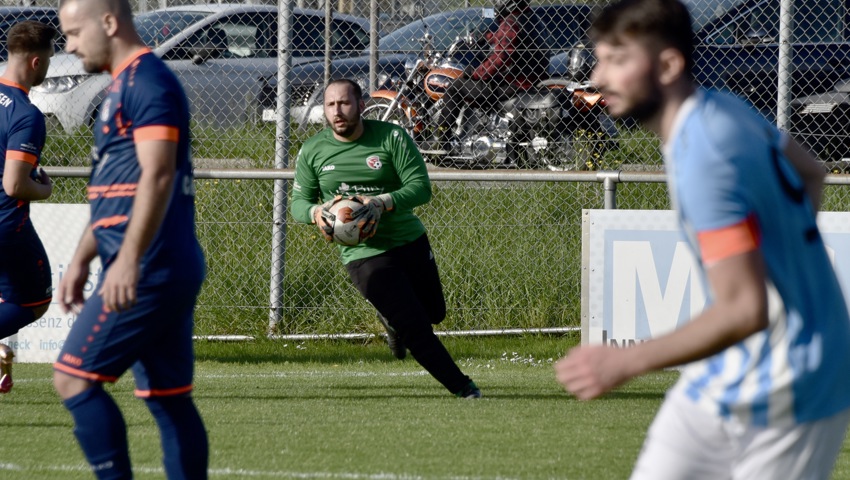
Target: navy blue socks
x,y
184,439
101,432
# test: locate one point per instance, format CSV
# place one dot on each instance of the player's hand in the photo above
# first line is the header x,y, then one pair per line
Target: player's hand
x,y
590,371
323,218
118,289
69,293
369,216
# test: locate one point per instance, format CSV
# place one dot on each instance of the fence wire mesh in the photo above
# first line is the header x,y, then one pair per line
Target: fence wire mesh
x,y
509,252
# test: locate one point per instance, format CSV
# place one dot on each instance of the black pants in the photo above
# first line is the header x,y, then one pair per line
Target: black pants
x,y
464,91
404,285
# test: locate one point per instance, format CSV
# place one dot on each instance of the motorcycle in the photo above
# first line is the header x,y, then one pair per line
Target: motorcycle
x,y
560,124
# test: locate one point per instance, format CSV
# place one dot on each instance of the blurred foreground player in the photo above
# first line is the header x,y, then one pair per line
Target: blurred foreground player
x,y
143,229
25,281
764,394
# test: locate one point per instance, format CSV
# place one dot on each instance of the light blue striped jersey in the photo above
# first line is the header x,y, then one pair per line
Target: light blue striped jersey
x,y
726,167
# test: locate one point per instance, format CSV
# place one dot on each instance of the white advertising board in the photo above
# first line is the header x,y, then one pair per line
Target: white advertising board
x,y
640,279
60,227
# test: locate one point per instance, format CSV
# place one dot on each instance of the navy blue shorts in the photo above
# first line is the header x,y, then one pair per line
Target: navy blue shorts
x,y
154,338
25,277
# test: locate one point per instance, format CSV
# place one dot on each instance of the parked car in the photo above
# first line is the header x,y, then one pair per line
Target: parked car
x,y
820,123
565,25
221,53
12,15
737,48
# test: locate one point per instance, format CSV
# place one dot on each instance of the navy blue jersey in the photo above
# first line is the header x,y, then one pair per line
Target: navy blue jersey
x,y
22,136
144,102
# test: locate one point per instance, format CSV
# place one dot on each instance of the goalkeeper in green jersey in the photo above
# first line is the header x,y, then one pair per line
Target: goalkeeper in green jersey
x,y
394,268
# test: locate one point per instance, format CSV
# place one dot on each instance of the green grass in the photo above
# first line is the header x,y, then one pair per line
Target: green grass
x,y
348,410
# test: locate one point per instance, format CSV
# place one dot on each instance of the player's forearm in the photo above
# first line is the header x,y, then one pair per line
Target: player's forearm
x,y
740,309
153,195
300,209
710,333
86,249
18,184
28,189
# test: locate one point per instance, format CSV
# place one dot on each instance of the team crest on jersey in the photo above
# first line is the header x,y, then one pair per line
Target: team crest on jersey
x,y
104,109
374,162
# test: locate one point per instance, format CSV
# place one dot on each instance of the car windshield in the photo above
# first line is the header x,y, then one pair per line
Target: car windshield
x,y
445,28
157,27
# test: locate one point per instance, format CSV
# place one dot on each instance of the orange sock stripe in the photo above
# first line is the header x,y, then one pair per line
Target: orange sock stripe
x,y
40,302
163,393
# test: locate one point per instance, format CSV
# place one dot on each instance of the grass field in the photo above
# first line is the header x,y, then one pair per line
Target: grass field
x,y
315,410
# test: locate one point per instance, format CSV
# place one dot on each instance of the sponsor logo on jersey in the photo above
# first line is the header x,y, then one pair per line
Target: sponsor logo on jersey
x,y
104,109
374,162
328,168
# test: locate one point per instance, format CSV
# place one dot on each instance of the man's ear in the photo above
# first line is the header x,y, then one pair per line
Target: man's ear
x,y
35,62
109,23
671,66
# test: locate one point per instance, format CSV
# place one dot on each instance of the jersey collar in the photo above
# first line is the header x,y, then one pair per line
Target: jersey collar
x,y
15,85
123,65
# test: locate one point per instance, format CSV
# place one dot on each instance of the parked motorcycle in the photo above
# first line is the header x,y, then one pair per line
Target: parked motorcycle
x,y
560,124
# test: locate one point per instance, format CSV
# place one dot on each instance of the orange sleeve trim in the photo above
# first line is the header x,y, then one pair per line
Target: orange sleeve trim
x,y
722,243
81,374
162,393
156,132
109,221
40,302
22,156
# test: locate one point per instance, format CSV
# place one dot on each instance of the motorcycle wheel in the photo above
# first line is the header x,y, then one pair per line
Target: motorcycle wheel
x,y
377,108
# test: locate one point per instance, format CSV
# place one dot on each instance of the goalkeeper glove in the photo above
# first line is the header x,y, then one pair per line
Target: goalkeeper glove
x,y
324,218
369,216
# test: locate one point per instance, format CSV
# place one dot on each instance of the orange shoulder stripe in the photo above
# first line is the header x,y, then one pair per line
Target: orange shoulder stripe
x,y
22,156
156,132
722,243
109,221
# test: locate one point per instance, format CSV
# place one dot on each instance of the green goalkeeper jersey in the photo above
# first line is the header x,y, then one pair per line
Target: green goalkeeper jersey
x,y
383,160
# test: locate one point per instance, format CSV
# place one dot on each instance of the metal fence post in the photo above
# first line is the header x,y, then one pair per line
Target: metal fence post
x,y
786,65
282,127
609,183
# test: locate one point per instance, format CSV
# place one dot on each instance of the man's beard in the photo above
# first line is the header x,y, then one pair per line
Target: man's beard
x,y
346,131
647,107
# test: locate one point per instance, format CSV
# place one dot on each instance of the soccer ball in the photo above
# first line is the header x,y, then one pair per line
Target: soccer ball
x,y
345,228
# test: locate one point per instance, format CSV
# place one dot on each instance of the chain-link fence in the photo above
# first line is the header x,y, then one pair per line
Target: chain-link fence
x,y
509,251
254,77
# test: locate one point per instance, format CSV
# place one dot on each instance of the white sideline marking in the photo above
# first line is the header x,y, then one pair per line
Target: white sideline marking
x,y
230,472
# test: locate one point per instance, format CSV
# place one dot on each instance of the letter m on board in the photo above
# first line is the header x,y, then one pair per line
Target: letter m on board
x,y
639,294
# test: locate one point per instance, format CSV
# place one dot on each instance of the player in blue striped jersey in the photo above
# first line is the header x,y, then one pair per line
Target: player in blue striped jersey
x,y
25,281
141,193
763,394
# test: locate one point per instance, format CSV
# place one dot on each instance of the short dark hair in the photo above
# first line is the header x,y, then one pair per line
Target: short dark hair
x,y
358,92
30,36
664,23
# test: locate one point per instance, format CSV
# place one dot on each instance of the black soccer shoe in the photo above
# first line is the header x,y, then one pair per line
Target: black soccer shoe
x,y
393,339
471,390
